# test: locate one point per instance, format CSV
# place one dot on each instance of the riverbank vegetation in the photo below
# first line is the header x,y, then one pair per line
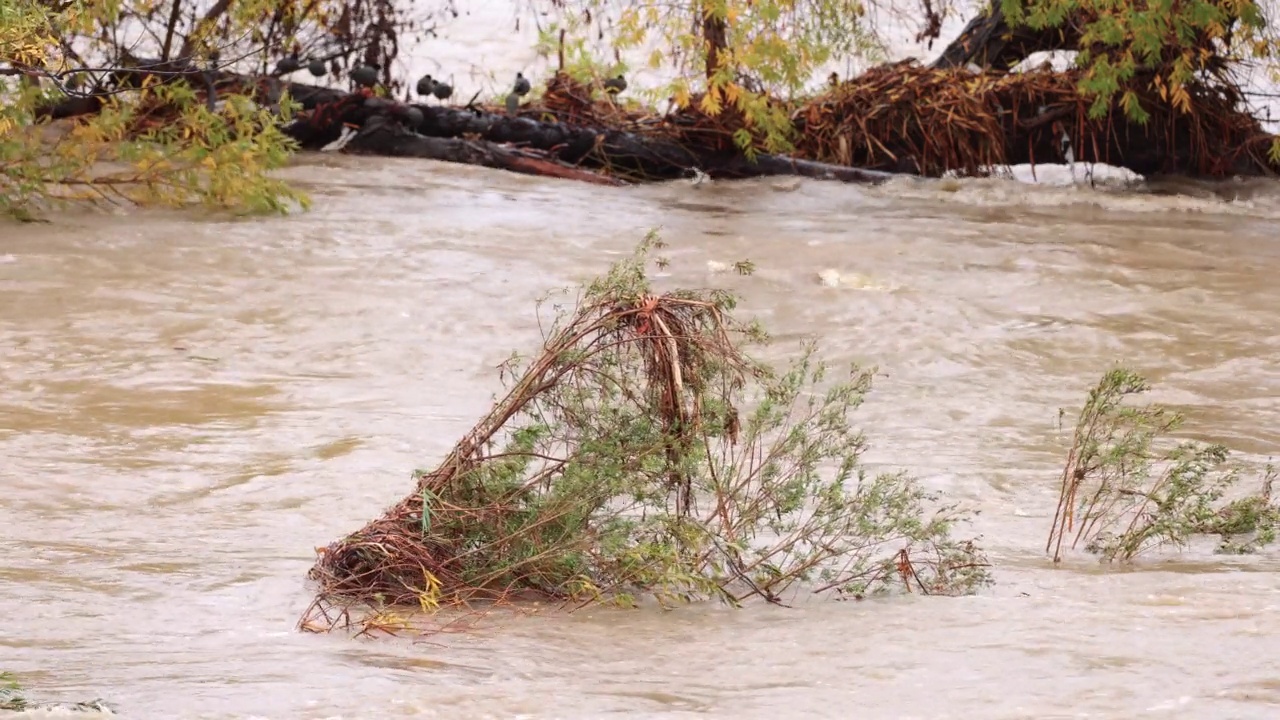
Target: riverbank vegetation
x,y
144,132
642,453
1127,489
184,101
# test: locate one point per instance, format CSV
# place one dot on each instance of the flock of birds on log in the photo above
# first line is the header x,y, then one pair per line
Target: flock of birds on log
x,y
366,76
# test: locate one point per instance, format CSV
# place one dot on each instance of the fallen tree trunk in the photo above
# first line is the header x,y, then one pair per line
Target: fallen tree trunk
x,y
390,139
620,153
494,140
987,41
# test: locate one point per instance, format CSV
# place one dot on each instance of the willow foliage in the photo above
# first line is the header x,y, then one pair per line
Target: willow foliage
x,y
1171,42
729,54
157,144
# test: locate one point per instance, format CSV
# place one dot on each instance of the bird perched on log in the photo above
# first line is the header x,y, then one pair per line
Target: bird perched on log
x,y
519,90
426,86
613,86
316,67
210,88
365,75
442,91
289,63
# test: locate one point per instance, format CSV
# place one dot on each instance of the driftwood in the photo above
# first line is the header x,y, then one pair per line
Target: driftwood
x,y
378,136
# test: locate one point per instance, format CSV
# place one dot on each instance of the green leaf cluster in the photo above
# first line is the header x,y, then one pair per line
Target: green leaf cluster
x,y
1125,492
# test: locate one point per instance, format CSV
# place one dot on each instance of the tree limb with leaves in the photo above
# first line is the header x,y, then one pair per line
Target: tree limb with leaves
x,y
138,76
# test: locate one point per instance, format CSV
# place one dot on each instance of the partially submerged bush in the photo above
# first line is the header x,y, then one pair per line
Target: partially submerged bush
x,y
1122,495
12,699
623,462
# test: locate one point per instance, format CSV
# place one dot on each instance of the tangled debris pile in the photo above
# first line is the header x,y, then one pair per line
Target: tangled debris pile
x,y
912,118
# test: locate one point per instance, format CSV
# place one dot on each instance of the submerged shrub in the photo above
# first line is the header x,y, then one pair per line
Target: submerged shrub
x,y
641,452
1123,495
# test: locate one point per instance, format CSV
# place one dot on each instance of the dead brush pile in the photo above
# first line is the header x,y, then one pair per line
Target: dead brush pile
x,y
577,103
623,462
910,118
904,113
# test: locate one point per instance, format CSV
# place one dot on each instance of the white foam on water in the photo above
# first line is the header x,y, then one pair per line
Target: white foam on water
x,y
1115,194
850,280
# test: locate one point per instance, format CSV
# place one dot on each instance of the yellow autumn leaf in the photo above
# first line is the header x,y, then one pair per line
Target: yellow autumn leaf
x,y
682,96
1181,98
732,93
710,103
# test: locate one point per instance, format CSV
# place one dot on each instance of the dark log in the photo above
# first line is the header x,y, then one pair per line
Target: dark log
x,y
379,136
623,154
71,107
988,42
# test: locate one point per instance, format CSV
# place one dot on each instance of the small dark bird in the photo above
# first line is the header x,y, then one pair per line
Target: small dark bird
x,y
833,80
210,88
289,63
513,103
442,91
426,86
522,85
365,75
613,86
316,67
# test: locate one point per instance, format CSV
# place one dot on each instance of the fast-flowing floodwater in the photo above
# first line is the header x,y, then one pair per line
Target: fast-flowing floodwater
x,y
188,407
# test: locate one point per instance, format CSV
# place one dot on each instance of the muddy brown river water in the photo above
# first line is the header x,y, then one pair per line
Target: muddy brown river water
x,y
189,406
